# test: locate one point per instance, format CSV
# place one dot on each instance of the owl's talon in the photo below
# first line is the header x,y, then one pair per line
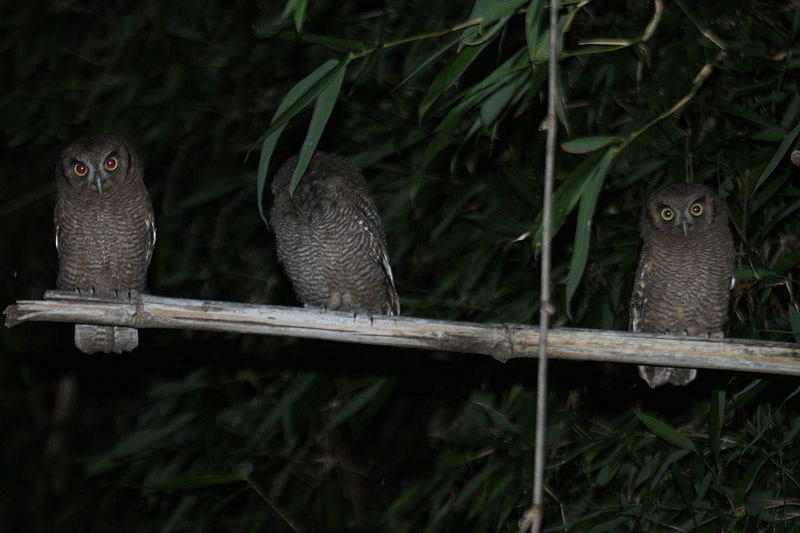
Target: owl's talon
x,y
361,310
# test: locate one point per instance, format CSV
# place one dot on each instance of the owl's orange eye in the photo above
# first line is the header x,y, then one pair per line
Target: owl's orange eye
x,y
112,163
80,169
696,209
667,214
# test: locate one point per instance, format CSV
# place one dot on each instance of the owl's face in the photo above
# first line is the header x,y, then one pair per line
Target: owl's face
x,y
684,210
96,164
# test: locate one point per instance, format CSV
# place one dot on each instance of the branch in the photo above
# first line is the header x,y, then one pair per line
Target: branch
x,y
501,341
533,517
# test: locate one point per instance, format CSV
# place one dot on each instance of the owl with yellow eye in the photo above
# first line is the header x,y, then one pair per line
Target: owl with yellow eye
x,y
685,272
105,231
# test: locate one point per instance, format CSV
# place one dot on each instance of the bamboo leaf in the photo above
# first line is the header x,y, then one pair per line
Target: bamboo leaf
x,y
291,396
495,104
708,34
794,320
715,423
583,232
448,77
145,439
319,119
140,442
337,44
589,144
295,100
300,15
743,112
666,432
443,132
747,394
298,9
779,155
196,481
772,188
358,403
490,11
790,115
566,197
744,485
533,22
371,63
429,60
475,483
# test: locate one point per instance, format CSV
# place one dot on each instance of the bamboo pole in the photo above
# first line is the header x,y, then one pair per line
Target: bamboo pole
x,y
532,518
501,341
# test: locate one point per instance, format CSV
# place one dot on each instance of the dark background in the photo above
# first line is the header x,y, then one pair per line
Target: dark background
x,y
199,431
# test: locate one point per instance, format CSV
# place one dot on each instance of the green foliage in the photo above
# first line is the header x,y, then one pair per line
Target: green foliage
x,y
688,479
441,104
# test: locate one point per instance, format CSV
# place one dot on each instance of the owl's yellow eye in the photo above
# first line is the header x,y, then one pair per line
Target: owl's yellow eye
x,y
80,169
696,209
667,214
112,163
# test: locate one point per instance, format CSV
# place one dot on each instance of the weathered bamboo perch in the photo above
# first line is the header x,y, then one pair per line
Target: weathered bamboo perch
x,y
501,341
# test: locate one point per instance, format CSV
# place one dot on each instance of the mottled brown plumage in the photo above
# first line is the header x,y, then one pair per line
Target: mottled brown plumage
x,y
329,238
105,231
685,272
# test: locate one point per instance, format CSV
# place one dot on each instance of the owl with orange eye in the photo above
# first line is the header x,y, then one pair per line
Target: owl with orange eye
x,y
685,273
105,231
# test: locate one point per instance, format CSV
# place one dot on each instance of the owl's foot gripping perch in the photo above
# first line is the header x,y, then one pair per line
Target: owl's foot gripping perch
x,y
90,338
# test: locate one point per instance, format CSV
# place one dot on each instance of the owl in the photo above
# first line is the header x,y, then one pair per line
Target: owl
x,y
685,273
105,231
329,238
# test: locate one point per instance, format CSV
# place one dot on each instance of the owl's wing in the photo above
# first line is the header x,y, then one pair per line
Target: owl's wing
x,y
56,223
150,226
151,238
369,221
638,299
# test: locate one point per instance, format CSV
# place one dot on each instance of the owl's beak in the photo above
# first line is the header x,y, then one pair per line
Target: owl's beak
x,y
685,226
98,182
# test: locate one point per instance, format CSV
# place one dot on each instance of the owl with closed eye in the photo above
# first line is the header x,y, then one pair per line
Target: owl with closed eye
x,y
105,231
685,273
329,238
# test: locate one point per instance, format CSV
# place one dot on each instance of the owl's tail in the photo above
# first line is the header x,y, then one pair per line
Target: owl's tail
x,y
93,339
655,376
